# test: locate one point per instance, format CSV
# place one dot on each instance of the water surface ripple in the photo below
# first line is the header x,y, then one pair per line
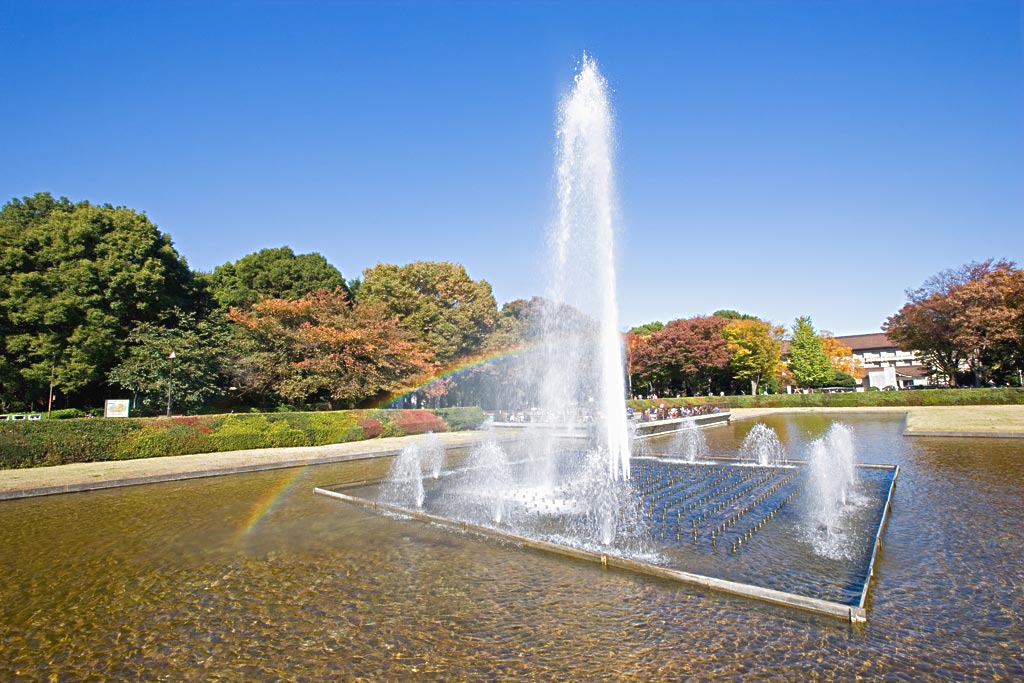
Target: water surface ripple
x,y
219,580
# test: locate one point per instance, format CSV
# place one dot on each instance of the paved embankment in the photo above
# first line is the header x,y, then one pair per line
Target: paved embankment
x,y
968,421
40,481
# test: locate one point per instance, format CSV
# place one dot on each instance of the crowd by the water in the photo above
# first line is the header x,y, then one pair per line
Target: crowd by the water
x,y
652,414
666,412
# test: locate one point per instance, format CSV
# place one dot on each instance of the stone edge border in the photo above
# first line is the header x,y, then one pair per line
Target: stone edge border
x,y
78,487
968,435
856,614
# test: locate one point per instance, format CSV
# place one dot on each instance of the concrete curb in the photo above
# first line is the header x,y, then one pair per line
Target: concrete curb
x,y
78,477
968,435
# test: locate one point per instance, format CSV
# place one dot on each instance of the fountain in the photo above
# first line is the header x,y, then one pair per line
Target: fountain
x,y
404,485
571,485
831,477
690,442
762,446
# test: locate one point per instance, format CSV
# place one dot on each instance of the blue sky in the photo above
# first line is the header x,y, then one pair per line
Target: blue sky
x,y
779,158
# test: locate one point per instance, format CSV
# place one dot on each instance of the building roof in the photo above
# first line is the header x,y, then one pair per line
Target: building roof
x,y
914,370
864,342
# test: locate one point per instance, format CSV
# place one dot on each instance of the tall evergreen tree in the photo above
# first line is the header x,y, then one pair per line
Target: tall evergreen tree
x,y
808,362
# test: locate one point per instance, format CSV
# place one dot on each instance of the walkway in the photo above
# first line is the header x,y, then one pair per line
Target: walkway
x,y
86,476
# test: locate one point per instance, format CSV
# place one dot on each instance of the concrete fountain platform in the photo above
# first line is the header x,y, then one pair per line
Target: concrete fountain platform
x,y
770,487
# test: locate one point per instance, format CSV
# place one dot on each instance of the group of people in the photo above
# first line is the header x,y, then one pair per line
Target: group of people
x,y
665,412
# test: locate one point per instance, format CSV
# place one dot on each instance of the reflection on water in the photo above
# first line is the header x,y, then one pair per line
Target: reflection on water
x,y
252,577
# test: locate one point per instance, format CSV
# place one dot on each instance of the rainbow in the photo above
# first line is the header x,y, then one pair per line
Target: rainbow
x,y
269,500
462,366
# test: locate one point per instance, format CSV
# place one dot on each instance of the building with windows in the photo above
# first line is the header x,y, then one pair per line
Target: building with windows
x,y
886,364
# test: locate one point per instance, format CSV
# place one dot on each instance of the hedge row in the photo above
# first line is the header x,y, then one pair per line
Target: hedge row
x,y
866,399
58,442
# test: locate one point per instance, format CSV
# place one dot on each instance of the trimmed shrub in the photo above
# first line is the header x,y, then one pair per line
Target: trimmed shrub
x,y
417,421
174,436
65,414
58,442
371,427
863,399
461,419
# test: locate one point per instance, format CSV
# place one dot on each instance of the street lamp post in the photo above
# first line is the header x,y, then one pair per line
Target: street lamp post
x,y
170,378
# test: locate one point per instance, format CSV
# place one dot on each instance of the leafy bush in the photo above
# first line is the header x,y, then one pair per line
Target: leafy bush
x,y
66,414
460,419
371,427
417,421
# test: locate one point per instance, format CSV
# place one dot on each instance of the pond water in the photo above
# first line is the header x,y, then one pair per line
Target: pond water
x,y
253,577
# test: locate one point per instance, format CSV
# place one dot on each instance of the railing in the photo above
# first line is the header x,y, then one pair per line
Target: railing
x,y
16,417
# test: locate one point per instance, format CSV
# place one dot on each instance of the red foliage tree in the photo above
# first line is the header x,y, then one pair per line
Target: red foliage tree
x,y
687,354
321,347
970,316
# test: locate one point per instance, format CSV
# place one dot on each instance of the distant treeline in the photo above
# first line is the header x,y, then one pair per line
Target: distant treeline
x,y
96,303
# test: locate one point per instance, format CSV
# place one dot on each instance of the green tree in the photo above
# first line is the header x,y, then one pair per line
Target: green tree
x,y
437,302
808,362
75,279
276,273
647,329
755,349
200,350
733,315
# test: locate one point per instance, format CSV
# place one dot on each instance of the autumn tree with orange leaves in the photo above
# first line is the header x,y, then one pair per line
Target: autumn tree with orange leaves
x,y
323,348
971,317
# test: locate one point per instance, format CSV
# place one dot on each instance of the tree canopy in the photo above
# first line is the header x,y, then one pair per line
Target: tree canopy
x,y
755,349
321,348
686,355
437,302
970,316
808,362
75,279
272,274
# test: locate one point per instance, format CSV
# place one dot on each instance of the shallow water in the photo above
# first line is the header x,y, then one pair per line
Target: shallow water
x,y
252,577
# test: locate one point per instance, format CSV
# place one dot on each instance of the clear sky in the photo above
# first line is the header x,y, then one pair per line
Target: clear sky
x,y
779,158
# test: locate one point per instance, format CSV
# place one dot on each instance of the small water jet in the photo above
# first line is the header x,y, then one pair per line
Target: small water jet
x,y
689,442
432,454
404,484
831,477
762,446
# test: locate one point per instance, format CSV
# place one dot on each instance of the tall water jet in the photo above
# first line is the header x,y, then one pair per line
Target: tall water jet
x,y
583,372
762,446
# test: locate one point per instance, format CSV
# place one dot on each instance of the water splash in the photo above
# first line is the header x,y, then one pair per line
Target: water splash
x,y
831,472
762,446
404,484
690,442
